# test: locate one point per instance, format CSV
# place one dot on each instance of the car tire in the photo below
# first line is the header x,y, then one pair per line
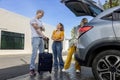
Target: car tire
x,y
106,65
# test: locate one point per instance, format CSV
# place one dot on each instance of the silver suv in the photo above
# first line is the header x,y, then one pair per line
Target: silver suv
x,y
99,41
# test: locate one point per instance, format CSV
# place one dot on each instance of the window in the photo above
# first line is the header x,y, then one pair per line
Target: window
x,y
11,40
95,11
108,17
115,16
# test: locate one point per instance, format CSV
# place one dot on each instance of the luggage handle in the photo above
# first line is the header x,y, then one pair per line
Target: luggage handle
x,y
46,45
46,50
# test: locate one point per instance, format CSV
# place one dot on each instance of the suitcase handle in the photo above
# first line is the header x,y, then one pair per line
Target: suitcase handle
x,y
46,45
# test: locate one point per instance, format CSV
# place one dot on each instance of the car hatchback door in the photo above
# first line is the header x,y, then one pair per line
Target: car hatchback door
x,y
83,7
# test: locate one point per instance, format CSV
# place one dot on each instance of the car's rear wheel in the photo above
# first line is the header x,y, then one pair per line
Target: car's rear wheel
x,y
106,66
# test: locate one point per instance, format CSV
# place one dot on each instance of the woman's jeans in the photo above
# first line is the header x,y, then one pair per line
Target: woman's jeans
x,y
37,44
57,52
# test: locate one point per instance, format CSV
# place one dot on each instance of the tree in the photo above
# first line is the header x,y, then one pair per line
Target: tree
x,y
111,3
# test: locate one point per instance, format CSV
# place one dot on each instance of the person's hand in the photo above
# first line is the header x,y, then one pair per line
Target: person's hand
x,y
56,39
42,28
46,38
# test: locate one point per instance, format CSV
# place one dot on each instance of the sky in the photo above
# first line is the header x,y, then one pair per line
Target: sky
x,y
55,12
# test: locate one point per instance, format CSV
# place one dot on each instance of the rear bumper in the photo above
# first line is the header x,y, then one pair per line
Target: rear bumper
x,y
81,62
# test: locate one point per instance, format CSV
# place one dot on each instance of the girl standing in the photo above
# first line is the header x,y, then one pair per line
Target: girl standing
x,y
58,37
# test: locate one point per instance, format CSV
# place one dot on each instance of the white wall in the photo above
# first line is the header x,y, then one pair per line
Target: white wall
x,y
15,23
12,22
66,44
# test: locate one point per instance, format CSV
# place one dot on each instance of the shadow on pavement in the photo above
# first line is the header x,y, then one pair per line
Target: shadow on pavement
x,y
15,71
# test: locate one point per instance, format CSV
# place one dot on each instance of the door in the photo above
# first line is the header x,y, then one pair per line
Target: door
x,y
83,7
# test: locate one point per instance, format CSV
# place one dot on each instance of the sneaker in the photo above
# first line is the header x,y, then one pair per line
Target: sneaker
x,y
32,73
77,71
63,70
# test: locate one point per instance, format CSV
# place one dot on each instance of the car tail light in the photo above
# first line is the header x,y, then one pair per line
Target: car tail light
x,y
84,29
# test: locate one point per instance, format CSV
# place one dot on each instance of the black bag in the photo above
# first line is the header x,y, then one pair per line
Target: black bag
x,y
45,60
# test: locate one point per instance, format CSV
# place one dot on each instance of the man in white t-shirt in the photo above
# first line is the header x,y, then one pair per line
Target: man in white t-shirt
x,y
37,39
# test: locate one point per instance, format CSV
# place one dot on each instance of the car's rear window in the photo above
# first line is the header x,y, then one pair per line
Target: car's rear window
x,y
95,10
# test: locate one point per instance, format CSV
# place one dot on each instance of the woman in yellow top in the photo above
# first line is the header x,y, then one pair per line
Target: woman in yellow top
x,y
58,37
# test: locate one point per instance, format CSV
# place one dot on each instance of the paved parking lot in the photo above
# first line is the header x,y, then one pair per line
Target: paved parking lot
x,y
70,74
16,67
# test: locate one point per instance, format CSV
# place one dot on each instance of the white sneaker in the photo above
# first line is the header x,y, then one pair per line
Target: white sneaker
x,y
63,70
77,71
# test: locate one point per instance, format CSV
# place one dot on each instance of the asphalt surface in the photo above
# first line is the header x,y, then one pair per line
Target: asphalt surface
x,y
58,75
13,65
12,72
16,67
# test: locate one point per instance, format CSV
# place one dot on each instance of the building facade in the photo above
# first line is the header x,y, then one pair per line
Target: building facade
x,y
15,33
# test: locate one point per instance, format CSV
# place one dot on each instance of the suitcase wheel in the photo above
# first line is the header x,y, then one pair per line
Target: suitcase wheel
x,y
50,71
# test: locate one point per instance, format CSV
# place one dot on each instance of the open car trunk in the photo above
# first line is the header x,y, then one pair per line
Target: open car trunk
x,y
83,7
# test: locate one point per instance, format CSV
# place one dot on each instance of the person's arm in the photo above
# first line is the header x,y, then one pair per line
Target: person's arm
x,y
42,28
40,33
62,37
37,28
35,25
